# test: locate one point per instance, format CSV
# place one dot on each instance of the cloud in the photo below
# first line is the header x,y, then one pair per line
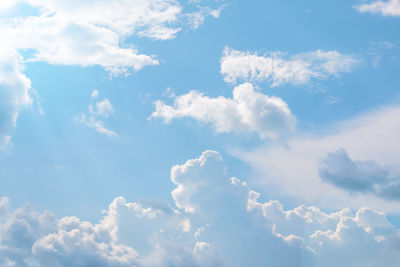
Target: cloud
x,y
332,100
30,238
192,178
95,93
390,190
4,206
19,231
15,92
6,5
82,33
247,111
338,238
295,167
92,33
159,32
385,8
196,19
381,51
304,236
89,33
77,33
97,125
276,69
358,176
103,109
229,226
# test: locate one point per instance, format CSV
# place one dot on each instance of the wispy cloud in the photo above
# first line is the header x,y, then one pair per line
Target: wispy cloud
x,y
102,108
385,8
278,69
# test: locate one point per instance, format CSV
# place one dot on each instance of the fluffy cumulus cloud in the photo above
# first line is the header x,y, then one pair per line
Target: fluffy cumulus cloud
x,y
278,69
317,169
93,32
89,33
247,111
15,92
97,113
358,176
218,221
386,8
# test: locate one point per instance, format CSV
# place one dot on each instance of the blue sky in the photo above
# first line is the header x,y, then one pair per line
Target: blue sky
x,y
199,133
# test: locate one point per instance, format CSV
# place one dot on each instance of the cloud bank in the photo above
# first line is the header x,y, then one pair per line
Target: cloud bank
x,y
218,221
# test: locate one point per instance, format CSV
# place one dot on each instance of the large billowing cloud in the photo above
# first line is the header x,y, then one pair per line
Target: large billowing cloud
x,y
278,69
218,221
247,111
366,174
386,8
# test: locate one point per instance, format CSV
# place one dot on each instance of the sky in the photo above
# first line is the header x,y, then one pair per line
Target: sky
x,y
199,133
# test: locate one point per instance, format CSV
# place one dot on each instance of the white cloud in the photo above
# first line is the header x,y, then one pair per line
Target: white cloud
x,y
19,231
169,93
58,41
229,226
30,238
97,125
247,111
293,168
103,109
88,33
385,8
193,177
336,239
160,32
277,69
78,33
196,19
305,235
15,92
7,4
4,206
95,93
332,100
